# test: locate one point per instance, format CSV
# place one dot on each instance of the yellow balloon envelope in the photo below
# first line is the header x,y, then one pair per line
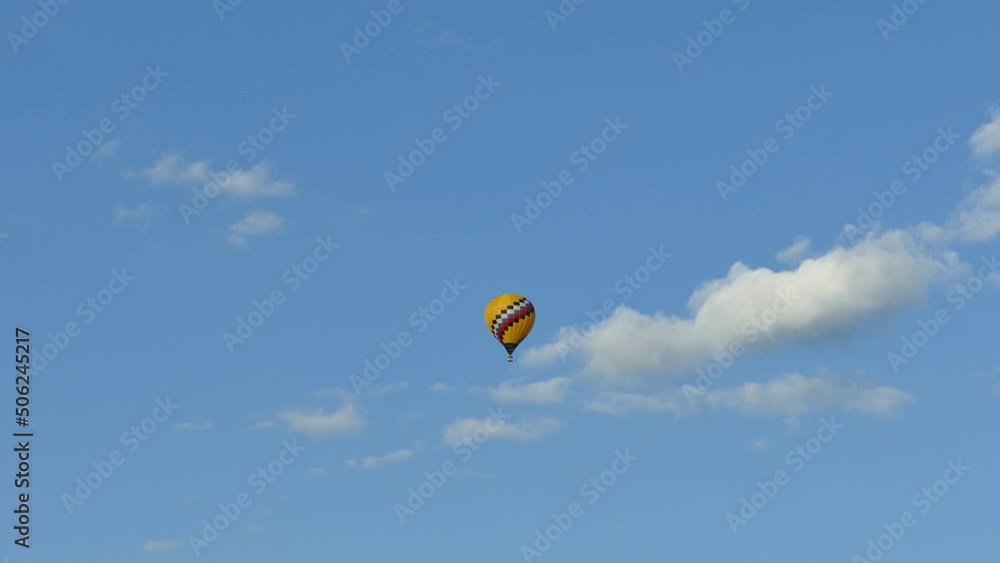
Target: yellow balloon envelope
x,y
510,318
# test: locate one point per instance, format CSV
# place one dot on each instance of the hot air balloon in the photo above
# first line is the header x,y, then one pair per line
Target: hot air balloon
x,y
510,318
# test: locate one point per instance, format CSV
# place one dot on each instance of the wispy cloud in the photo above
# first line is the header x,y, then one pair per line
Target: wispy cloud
x,y
440,387
795,252
172,169
787,396
317,472
336,392
162,546
107,150
429,39
257,182
391,387
255,224
196,427
540,392
977,218
140,211
530,429
985,140
371,463
260,422
795,394
346,420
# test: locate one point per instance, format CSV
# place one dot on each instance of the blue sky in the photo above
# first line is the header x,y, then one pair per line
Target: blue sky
x,y
245,167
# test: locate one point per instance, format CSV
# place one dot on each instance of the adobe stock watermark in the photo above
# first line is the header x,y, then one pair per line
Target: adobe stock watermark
x,y
223,7
582,157
420,320
48,10
899,16
435,480
131,439
914,168
456,116
626,286
927,329
787,126
122,107
87,310
753,330
258,481
363,35
696,44
796,458
925,500
590,490
251,148
566,9
293,277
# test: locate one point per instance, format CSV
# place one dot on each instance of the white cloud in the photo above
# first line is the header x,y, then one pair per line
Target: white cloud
x,y
346,395
256,223
257,183
823,296
107,150
977,218
759,443
344,421
261,422
839,291
790,395
795,252
140,211
192,426
985,140
316,472
337,392
541,392
389,388
162,546
439,387
527,430
371,463
618,402
795,394
171,169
